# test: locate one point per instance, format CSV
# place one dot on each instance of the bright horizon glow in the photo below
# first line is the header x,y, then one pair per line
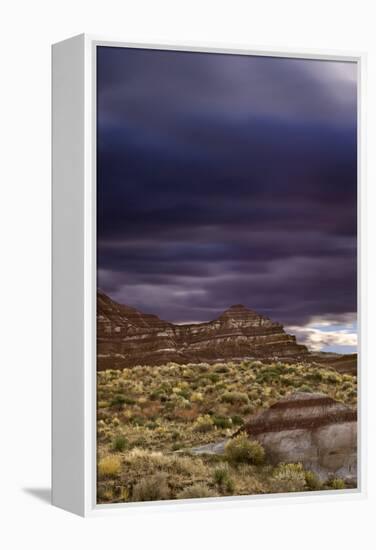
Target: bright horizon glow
x,y
327,336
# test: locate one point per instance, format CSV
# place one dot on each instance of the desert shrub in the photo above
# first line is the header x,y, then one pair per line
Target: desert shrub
x,y
119,400
254,393
350,394
156,394
197,397
151,425
140,441
241,449
312,481
314,376
333,378
337,483
222,478
105,493
151,488
222,422
221,369
109,492
138,420
268,374
237,420
203,424
185,393
305,388
235,397
289,477
221,474
202,367
175,435
103,404
119,443
120,493
229,486
198,490
109,466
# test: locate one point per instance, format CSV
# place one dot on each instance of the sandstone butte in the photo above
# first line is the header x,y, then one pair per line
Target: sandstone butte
x,y
126,337
313,429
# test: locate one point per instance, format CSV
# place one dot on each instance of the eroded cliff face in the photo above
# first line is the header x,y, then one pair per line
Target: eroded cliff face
x,y
313,429
127,337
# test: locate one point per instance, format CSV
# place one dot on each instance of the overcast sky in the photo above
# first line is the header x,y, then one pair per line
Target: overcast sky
x,y
227,179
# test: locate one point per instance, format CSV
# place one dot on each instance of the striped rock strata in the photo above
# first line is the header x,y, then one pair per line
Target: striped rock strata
x,y
313,429
127,337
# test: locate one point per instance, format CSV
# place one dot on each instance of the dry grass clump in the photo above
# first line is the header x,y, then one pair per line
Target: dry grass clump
x,y
109,467
146,462
151,488
198,490
241,449
235,397
288,478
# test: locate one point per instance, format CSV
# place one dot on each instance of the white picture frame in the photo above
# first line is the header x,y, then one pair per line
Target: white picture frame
x,y
74,278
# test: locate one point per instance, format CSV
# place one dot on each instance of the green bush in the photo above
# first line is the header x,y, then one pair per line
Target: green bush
x,y
241,449
119,400
237,420
222,422
119,443
151,488
221,475
151,425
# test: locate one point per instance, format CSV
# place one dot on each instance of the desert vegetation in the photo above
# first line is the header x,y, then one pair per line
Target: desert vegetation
x,y
150,418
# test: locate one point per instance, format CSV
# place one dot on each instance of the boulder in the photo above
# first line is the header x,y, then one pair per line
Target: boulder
x,y
310,428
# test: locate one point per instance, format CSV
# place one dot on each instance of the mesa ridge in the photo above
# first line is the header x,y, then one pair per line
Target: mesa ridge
x,y
127,337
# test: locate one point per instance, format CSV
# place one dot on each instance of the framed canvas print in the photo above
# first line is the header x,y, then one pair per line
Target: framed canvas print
x,y
206,253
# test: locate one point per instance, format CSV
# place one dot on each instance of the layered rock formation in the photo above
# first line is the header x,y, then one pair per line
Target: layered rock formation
x,y
127,337
313,429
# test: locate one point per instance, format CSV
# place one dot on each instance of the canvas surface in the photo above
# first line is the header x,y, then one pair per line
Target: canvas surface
x,y
227,254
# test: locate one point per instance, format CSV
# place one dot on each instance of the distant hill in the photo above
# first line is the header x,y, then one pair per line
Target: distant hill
x,y
127,337
345,364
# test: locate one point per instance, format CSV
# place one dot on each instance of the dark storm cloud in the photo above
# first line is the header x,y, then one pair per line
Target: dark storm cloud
x,y
226,179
